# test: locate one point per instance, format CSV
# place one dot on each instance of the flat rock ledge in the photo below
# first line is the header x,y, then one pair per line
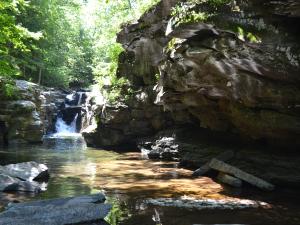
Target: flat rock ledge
x,y
72,210
23,177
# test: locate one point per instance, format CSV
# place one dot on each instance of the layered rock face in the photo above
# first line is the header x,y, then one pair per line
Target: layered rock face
x,y
31,114
232,66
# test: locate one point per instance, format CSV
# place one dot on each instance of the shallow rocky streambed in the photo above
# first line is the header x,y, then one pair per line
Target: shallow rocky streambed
x,y
150,192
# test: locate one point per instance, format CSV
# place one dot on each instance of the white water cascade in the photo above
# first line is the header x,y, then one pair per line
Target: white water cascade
x,y
66,136
64,129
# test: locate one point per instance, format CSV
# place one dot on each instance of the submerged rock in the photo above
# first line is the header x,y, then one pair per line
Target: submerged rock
x,y
73,210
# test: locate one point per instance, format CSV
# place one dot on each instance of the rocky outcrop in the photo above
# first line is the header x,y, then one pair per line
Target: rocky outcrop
x,y
30,114
76,210
229,67
122,124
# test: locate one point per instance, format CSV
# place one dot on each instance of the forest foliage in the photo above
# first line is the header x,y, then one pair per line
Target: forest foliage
x,y
63,43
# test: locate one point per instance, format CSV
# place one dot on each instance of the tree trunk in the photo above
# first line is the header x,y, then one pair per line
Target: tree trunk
x,y
24,71
129,3
40,76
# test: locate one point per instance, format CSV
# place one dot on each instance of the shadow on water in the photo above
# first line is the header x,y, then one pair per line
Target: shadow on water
x,y
128,181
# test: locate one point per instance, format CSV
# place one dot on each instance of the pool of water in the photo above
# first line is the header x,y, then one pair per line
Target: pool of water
x,y
133,185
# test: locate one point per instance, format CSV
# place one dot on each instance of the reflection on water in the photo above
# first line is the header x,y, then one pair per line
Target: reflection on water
x,y
129,182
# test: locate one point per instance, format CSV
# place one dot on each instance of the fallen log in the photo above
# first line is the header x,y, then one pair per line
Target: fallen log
x,y
206,168
230,180
62,211
226,168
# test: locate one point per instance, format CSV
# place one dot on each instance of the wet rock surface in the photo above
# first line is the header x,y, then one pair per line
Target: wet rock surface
x,y
76,210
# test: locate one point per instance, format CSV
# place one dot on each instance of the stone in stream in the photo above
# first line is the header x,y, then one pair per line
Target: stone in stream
x,y
28,171
8,184
206,168
73,210
230,180
226,168
204,204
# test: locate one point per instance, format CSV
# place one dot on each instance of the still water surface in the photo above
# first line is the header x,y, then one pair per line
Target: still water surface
x,y
130,181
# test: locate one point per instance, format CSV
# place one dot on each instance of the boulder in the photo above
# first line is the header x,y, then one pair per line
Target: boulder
x,y
27,171
73,210
226,168
230,180
164,148
8,184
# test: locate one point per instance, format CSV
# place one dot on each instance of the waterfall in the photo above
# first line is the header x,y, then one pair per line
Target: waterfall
x,y
68,124
80,98
63,128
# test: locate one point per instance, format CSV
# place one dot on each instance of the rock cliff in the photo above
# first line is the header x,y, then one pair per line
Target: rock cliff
x,y
230,66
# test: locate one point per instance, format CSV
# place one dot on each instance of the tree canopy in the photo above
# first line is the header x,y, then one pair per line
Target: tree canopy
x,y
61,43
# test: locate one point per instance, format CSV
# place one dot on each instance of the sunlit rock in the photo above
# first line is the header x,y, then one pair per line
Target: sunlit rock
x,y
202,204
27,171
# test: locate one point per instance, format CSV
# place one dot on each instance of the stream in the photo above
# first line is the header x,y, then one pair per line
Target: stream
x,y
137,188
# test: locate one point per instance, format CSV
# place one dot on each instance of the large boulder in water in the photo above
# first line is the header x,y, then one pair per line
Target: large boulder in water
x,y
22,177
28,171
77,210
